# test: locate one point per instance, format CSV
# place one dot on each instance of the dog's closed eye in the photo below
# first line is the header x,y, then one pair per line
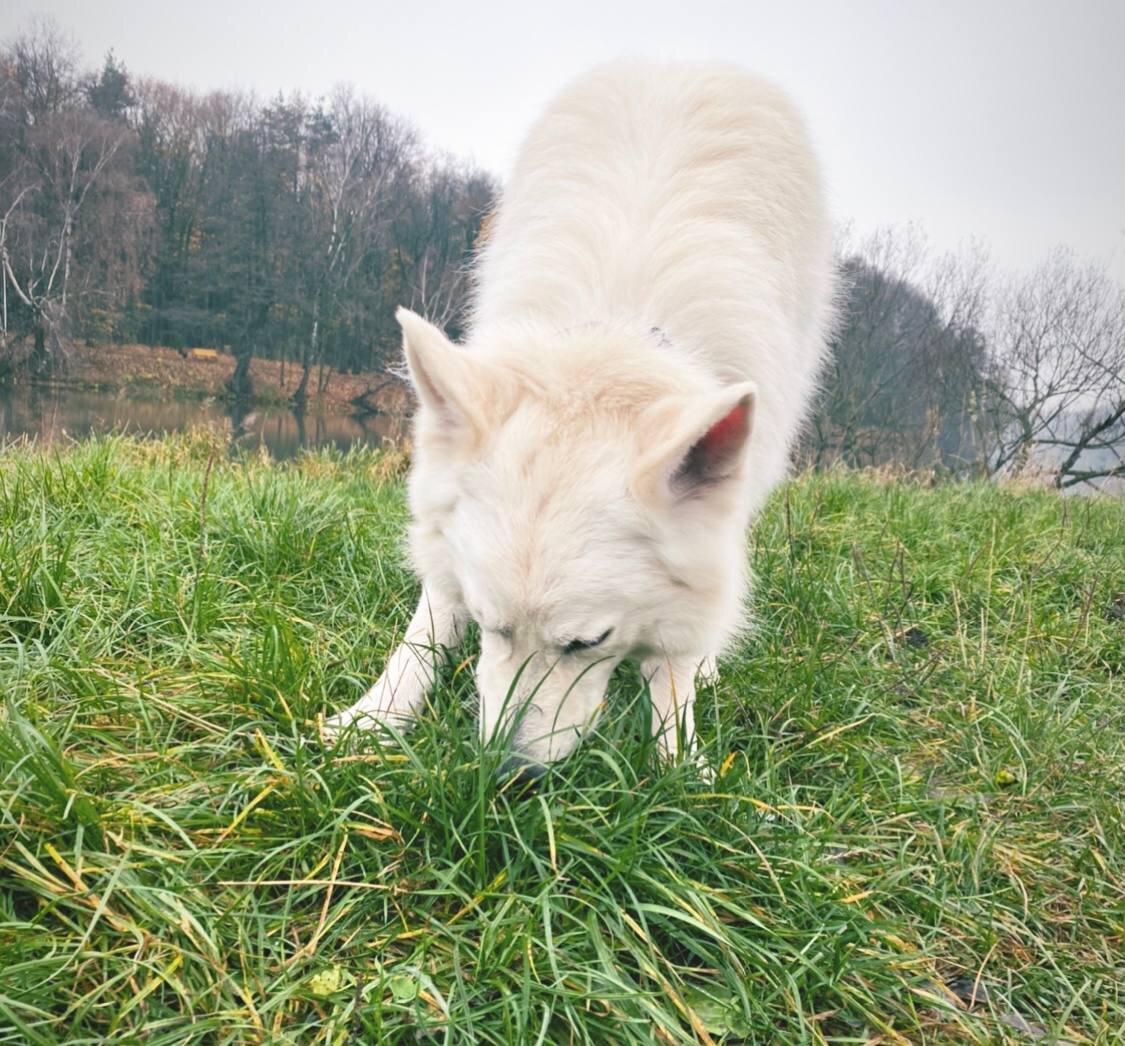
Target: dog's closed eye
x,y
585,644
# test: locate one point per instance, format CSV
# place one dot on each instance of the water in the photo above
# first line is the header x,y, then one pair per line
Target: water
x,y
52,414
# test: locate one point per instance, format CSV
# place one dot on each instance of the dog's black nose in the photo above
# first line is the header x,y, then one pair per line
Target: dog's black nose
x,y
523,771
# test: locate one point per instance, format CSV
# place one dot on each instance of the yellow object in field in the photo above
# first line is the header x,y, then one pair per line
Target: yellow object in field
x,y
203,354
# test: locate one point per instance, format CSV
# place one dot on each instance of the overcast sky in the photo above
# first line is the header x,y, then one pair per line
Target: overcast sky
x,y
1003,121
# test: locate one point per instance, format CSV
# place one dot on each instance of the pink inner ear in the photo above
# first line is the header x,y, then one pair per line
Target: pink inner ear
x,y
714,456
728,432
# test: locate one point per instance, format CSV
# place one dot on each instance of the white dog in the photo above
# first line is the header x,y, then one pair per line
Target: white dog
x,y
651,309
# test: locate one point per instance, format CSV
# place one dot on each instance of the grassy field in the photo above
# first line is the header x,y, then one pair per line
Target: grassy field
x,y
915,834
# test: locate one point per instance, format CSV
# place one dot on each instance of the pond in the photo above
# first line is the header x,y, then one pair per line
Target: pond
x,y
59,413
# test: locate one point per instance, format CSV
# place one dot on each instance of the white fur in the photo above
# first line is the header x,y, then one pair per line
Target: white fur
x,y
660,261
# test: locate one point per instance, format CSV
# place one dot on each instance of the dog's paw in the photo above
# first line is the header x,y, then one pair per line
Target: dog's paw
x,y
360,719
385,707
334,726
693,759
696,761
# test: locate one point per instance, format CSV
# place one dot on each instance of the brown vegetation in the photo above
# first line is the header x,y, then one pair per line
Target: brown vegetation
x,y
167,372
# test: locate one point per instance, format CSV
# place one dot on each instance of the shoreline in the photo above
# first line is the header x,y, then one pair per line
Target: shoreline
x,y
157,371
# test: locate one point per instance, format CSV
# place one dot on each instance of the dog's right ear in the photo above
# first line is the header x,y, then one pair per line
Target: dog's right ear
x,y
696,449
458,396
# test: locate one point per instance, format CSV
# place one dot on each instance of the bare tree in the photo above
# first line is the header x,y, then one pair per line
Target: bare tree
x,y
65,156
1055,398
354,167
55,151
41,70
436,236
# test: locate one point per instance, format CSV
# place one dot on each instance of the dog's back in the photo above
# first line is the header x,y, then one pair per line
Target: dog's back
x,y
682,198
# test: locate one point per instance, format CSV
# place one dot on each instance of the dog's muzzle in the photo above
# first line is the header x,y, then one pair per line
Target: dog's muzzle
x,y
520,770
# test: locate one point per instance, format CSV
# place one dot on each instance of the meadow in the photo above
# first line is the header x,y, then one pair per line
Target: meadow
x,y
914,832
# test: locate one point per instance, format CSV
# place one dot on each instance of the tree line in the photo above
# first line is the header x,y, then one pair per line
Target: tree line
x,y
940,363
133,210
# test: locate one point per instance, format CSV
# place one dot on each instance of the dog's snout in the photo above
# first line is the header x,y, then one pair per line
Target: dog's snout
x,y
518,768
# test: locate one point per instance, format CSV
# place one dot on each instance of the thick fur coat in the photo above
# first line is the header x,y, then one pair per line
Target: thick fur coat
x,y
650,314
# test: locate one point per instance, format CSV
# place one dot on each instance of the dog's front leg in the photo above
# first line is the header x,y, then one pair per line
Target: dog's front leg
x,y
671,687
410,671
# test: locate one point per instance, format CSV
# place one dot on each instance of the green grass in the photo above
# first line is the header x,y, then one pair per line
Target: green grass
x,y
922,748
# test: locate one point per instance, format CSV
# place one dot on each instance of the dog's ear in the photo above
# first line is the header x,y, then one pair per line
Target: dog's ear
x,y
457,394
697,447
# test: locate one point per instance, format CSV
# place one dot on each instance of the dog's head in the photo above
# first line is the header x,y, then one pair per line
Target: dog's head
x,y
582,516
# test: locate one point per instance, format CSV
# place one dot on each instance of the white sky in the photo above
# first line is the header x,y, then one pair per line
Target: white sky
x,y
995,119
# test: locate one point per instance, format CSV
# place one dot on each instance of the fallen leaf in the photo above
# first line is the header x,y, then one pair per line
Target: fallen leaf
x,y
330,980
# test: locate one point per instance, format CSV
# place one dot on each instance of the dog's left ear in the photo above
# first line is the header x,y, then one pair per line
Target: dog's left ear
x,y
459,396
703,445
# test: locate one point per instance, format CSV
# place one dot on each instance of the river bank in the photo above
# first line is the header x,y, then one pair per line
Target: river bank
x,y
156,371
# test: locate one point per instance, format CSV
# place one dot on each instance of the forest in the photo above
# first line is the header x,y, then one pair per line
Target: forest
x,y
135,211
